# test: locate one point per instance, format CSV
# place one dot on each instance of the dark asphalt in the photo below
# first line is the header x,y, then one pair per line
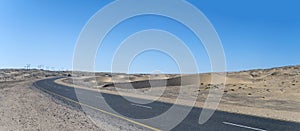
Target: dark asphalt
x,y
220,121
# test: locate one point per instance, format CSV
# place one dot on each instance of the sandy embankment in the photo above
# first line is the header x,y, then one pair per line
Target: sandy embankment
x,y
272,93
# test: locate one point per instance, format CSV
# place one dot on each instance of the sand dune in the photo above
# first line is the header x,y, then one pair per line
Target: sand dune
x,y
276,89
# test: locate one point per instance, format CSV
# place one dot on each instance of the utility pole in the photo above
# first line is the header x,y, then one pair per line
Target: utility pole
x,y
40,67
27,66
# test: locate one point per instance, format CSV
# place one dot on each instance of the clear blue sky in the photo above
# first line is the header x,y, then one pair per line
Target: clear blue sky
x,y
254,33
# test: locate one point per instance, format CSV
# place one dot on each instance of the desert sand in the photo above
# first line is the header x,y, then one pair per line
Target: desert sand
x,y
272,93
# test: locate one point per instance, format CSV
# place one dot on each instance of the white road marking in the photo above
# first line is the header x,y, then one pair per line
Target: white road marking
x,y
141,106
243,126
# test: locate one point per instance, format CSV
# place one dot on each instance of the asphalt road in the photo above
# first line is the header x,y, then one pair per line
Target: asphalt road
x,y
136,113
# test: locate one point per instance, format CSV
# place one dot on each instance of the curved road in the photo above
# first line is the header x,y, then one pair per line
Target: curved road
x,y
134,113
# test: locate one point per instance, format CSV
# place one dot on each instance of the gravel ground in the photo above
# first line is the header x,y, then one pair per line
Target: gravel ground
x,y
23,107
